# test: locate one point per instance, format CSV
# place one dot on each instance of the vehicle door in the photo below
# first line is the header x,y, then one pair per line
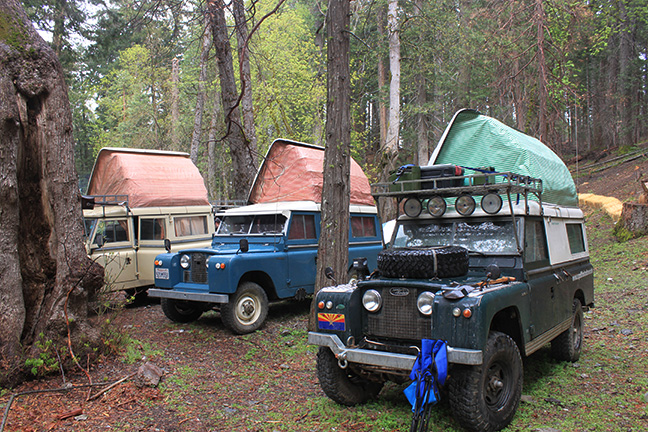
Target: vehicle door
x,y
151,234
541,279
301,249
113,247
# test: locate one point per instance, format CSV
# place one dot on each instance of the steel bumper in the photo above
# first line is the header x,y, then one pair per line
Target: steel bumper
x,y
385,359
189,296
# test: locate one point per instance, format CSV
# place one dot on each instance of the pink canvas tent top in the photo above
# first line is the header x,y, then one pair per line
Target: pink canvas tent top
x,y
150,178
292,171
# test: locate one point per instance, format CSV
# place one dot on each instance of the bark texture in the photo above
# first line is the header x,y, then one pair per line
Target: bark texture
x,y
45,273
334,237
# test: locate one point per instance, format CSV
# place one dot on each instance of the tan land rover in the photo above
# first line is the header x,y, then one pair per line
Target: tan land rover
x,y
135,200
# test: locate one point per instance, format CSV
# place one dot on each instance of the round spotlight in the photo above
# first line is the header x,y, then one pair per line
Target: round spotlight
x,y
465,205
436,206
412,207
491,203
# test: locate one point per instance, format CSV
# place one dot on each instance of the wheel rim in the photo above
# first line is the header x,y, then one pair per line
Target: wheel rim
x,y
184,309
248,309
577,330
497,385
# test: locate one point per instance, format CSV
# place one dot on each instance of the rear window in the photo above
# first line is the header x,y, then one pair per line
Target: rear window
x,y
575,237
363,226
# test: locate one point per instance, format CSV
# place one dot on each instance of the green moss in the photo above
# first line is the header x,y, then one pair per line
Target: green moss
x,y
12,32
623,234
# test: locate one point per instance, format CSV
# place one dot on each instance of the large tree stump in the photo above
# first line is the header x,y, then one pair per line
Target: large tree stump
x,y
46,276
633,222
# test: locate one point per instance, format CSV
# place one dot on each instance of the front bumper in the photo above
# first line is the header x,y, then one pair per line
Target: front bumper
x,y
189,296
385,359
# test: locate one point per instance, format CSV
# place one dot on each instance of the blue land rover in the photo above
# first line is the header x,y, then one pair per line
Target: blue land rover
x,y
259,253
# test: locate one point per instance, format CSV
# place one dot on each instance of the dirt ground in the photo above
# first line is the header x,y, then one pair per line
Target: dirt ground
x,y
202,362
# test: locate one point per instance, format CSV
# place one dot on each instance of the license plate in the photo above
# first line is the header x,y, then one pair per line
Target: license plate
x,y
161,273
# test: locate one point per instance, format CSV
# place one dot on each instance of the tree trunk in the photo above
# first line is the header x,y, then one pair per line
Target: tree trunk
x,y
175,104
211,153
390,150
334,237
382,79
423,147
542,72
246,78
46,277
200,97
243,156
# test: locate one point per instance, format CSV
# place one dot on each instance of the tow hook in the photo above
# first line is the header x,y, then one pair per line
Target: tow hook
x,y
342,361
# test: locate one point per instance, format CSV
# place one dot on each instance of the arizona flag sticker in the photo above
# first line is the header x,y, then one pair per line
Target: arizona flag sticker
x,y
331,321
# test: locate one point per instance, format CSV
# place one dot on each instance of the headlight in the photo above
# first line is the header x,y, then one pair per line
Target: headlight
x,y
185,260
425,302
372,301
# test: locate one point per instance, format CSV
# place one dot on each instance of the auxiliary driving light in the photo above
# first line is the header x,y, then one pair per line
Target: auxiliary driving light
x,y
491,203
436,206
184,261
465,205
412,207
372,301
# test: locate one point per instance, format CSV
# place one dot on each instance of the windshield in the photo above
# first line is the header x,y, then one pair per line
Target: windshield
x,y
244,225
487,237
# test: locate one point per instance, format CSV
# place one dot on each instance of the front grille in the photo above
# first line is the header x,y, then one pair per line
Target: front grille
x,y
399,318
198,268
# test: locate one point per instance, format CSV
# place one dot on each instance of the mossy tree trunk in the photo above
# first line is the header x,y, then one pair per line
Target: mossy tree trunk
x,y
45,274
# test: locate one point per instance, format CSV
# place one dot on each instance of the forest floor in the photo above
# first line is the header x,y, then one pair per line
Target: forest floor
x,y
266,381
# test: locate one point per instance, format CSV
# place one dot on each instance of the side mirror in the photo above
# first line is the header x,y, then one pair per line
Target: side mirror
x,y
361,267
244,245
330,274
493,272
100,240
167,244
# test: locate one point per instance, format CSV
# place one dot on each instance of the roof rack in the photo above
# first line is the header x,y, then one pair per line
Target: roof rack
x,y
501,183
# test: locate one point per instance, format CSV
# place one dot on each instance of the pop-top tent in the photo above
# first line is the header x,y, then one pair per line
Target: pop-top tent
x,y
292,171
473,140
150,178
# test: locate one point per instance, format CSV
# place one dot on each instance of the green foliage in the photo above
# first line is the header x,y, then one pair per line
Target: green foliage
x,y
12,33
46,362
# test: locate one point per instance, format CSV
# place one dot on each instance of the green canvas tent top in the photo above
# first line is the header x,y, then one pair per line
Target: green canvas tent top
x,y
473,140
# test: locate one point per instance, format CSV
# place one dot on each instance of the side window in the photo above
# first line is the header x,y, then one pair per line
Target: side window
x,y
363,226
113,230
268,224
535,242
190,225
152,229
575,237
302,227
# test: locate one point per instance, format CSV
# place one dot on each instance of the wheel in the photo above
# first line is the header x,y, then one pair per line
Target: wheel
x,y
246,310
485,397
567,345
180,310
342,385
419,263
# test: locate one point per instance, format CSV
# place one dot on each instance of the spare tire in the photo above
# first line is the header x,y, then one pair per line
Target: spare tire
x,y
423,263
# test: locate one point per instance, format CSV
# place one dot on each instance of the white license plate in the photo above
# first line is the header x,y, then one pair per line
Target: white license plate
x,y
161,273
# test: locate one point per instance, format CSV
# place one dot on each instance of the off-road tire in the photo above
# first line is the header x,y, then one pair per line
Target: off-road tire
x,y
418,263
567,345
180,310
247,309
484,398
342,385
